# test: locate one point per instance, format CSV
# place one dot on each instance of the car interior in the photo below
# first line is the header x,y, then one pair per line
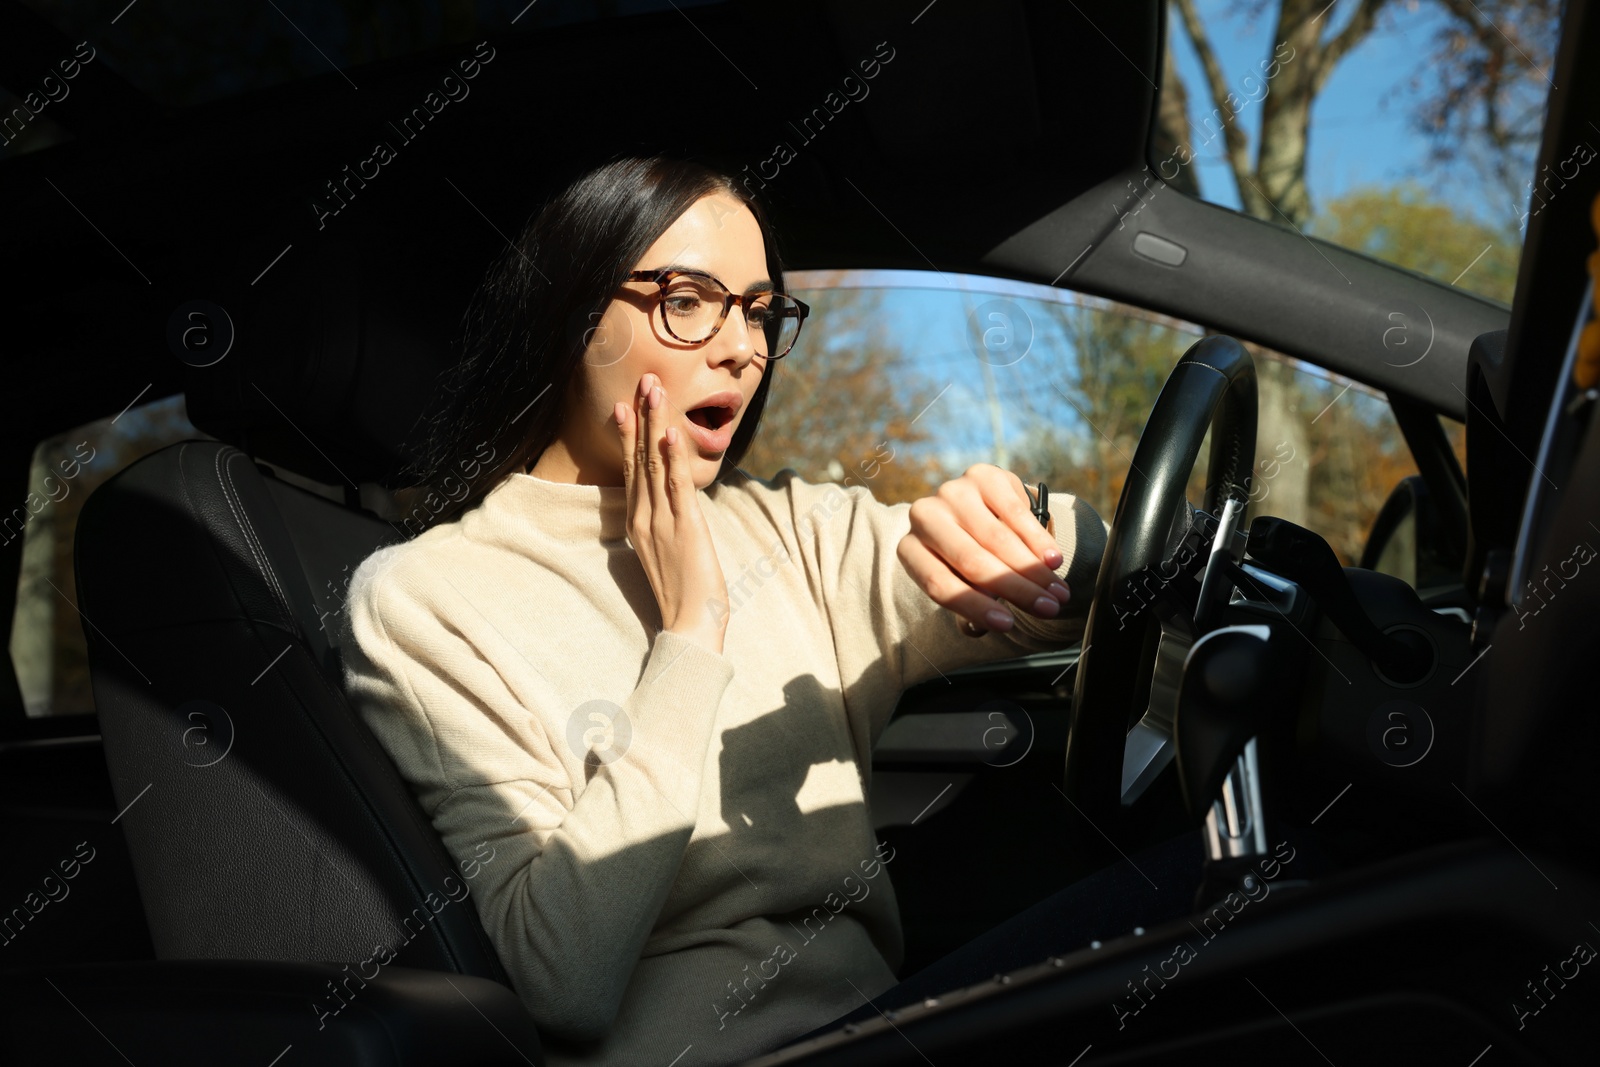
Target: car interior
x,y
196,255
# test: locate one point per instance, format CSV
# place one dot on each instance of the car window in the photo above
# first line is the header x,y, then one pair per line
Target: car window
x,y
47,645
1406,132
902,379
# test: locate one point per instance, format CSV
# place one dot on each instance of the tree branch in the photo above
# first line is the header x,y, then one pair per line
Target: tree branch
x,y
1356,30
1235,143
1469,14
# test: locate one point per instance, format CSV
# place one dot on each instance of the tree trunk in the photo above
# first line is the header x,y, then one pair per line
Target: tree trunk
x,y
1172,123
1279,486
1280,178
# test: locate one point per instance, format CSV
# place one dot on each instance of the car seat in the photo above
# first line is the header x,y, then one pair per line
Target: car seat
x,y
264,820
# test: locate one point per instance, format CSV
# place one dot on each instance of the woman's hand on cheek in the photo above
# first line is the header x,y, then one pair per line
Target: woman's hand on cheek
x,y
665,524
976,540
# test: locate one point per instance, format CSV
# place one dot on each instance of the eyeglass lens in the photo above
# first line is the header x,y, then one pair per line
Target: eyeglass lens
x,y
691,308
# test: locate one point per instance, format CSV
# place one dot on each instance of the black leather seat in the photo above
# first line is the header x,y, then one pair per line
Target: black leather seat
x,y
264,820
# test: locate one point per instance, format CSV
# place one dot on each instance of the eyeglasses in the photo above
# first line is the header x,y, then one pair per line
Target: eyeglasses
x,y
694,305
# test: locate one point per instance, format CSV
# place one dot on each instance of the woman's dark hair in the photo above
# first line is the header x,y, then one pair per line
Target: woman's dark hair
x,y
526,328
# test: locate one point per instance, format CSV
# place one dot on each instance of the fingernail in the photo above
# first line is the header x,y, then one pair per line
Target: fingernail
x,y
1047,606
998,619
1052,558
655,398
1060,592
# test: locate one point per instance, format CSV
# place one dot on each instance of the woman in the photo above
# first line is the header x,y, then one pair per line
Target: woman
x,y
637,689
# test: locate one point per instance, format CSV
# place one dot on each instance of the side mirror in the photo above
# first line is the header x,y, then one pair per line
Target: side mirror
x,y
1406,539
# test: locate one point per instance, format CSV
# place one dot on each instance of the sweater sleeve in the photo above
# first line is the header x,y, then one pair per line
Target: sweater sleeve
x,y
888,633
578,870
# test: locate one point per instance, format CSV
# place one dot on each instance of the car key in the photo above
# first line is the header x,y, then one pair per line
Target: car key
x,y
1041,505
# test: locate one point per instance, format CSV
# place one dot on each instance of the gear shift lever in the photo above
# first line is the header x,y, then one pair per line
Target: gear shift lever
x,y
1223,703
1227,697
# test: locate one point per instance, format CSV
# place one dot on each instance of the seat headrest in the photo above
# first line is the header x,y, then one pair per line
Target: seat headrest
x,y
335,362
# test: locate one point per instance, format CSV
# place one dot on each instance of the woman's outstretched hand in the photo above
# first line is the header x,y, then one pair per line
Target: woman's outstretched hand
x,y
665,523
977,539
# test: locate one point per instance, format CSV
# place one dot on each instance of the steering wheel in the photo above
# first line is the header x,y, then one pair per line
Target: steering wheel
x,y
1119,739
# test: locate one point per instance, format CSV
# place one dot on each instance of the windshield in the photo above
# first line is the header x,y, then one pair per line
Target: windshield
x,y
1403,131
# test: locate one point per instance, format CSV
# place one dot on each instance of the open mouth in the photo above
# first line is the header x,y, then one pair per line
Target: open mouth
x,y
711,417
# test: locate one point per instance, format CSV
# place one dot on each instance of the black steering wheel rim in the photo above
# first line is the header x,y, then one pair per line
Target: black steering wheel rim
x,y
1212,387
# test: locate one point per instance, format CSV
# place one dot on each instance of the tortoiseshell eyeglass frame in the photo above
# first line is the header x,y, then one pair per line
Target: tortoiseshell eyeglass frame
x,y
663,278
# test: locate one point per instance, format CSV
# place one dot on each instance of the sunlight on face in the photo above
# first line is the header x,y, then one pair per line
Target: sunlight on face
x,y
717,235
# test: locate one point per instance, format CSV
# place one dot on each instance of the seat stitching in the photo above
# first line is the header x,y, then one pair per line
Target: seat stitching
x,y
283,597
232,507
476,936
256,548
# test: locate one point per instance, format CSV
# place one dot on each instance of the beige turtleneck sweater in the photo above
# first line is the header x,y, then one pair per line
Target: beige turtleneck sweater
x,y
683,865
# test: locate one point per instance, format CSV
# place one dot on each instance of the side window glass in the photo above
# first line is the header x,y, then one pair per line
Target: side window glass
x,y
903,379
47,645
1328,452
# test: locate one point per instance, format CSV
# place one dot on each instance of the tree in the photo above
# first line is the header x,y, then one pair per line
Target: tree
x,y
833,414
1483,86
1090,407
1404,226
1491,68
1355,457
1272,185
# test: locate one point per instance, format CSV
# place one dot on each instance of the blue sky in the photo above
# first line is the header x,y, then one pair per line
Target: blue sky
x,y
1361,134
1361,130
